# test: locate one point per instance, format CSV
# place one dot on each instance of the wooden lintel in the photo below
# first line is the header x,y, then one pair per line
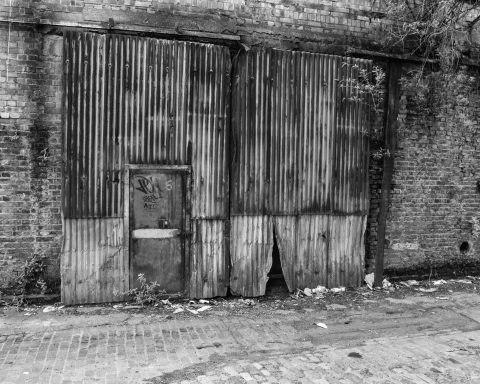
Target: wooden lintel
x,y
123,28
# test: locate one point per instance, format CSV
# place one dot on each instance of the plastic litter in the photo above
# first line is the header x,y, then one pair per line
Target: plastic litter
x,y
369,279
321,325
386,284
427,290
410,283
338,290
178,310
204,308
463,281
439,282
202,301
192,311
49,309
320,289
307,292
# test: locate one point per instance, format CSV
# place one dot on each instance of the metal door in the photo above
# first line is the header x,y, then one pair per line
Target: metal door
x,y
158,223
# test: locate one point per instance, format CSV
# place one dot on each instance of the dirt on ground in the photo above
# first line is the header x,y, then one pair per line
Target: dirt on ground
x,y
277,300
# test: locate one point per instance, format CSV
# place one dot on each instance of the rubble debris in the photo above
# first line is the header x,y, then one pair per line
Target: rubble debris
x,y
355,355
386,284
249,302
410,283
204,308
178,310
30,312
49,309
320,289
463,281
439,282
336,307
192,311
321,325
427,290
338,290
133,307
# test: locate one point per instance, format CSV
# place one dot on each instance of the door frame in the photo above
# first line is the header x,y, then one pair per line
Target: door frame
x,y
187,209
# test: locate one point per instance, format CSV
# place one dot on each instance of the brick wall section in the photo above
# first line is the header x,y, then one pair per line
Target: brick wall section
x,y
30,149
435,204
287,23
375,173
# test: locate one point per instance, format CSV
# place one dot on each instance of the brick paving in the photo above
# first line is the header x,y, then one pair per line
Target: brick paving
x,y
398,341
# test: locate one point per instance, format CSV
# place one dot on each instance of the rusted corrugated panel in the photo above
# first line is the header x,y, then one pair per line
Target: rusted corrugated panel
x,y
298,126
143,101
94,263
312,256
251,254
208,267
286,236
346,252
303,245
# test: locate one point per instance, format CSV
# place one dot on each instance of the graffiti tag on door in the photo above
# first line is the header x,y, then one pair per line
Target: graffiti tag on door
x,y
154,189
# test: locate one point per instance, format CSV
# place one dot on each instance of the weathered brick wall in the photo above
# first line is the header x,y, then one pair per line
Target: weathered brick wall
x,y
435,205
30,149
287,23
434,201
375,173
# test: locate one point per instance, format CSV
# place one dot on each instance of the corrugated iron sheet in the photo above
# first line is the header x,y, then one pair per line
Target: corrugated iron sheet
x,y
346,250
94,262
299,124
323,250
302,243
143,101
137,100
251,254
300,156
209,270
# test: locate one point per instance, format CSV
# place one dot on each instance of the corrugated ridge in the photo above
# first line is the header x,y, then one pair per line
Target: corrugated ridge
x,y
298,127
94,263
143,101
207,265
251,254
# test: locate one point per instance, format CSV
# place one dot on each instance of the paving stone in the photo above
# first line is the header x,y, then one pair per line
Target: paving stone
x,y
244,350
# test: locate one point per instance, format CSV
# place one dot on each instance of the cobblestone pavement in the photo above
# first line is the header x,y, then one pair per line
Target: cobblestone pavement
x,y
414,339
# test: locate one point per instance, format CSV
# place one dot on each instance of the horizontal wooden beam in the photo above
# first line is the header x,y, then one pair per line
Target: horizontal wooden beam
x,y
104,27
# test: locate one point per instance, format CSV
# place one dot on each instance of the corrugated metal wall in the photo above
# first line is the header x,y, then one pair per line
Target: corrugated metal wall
x,y
298,131
301,155
142,101
95,261
251,254
300,160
